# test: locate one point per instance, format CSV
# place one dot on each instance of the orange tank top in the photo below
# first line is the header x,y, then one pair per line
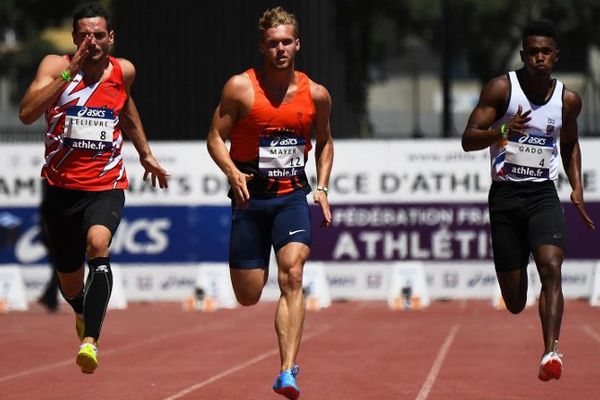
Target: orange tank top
x,y
272,142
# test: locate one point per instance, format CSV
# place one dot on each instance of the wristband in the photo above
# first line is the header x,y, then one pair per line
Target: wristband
x,y
66,76
323,189
504,131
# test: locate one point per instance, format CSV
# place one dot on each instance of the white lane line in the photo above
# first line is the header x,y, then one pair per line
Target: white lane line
x,y
590,331
437,364
254,360
104,353
36,370
223,374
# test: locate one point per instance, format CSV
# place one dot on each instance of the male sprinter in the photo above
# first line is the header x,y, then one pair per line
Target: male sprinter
x,y
268,115
86,101
520,117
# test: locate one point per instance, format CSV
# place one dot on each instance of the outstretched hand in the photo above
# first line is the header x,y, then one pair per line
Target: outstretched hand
x,y
577,200
320,198
153,169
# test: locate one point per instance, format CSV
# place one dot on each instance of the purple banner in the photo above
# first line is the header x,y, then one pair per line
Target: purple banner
x,y
437,231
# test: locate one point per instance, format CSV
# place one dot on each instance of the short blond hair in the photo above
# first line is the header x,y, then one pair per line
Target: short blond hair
x,y
277,16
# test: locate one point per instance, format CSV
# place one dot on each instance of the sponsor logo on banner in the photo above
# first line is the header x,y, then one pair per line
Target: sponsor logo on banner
x,y
177,282
387,232
145,234
341,281
432,231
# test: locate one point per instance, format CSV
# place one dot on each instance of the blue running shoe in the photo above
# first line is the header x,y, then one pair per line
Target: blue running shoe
x,y
285,384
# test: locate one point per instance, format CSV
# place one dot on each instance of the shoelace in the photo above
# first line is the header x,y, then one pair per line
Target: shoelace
x,y
90,345
294,370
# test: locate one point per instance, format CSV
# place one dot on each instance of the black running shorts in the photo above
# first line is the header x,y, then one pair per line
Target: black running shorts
x,y
523,216
68,215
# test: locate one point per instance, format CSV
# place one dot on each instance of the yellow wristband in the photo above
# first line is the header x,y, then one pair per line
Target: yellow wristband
x,y
504,131
323,189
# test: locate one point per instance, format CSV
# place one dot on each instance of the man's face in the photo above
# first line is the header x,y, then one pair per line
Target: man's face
x,y
279,46
100,38
539,55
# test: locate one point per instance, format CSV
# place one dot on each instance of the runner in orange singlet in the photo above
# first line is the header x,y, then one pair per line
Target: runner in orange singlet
x,y
86,101
268,116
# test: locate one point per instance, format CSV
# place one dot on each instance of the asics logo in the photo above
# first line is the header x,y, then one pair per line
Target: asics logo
x,y
102,268
533,140
297,231
284,142
91,112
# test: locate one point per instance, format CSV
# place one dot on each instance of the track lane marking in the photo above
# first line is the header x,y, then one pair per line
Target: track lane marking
x,y
105,353
437,365
258,358
590,331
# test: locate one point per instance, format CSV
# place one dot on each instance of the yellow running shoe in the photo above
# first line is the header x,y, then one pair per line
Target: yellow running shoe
x,y
80,326
87,358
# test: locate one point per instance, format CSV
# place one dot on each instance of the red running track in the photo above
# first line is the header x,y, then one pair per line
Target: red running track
x,y
354,350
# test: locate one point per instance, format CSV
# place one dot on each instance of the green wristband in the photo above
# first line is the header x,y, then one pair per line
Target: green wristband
x,y
504,131
66,76
323,189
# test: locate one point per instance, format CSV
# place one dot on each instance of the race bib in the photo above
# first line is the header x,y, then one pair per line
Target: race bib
x,y
89,128
281,156
529,156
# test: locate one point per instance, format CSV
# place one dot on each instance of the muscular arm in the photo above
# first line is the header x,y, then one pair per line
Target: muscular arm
x,y
236,99
323,147
131,123
45,88
571,153
48,84
493,99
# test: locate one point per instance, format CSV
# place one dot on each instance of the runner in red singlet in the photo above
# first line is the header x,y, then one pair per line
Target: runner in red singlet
x,y
86,101
268,116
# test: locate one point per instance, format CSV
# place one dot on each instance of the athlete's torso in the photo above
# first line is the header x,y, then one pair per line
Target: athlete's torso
x,y
534,156
272,143
83,136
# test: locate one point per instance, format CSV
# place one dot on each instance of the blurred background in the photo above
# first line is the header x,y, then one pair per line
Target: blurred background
x,y
404,76
395,68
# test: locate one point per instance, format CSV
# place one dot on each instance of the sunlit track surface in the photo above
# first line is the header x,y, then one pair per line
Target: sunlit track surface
x,y
352,350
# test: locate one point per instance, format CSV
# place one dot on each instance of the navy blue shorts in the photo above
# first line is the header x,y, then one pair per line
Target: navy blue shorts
x,y
265,223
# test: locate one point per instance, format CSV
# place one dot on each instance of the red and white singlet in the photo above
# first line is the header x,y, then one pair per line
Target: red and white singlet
x,y
83,137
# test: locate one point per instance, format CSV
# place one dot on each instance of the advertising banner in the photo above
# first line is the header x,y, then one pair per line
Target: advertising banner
x,y
367,171
428,231
160,234
391,200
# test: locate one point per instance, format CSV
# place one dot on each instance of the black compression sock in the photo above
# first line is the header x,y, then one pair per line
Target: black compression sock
x,y
75,302
97,295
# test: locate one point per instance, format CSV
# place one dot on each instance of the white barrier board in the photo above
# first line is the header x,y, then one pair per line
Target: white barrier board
x,y
12,289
